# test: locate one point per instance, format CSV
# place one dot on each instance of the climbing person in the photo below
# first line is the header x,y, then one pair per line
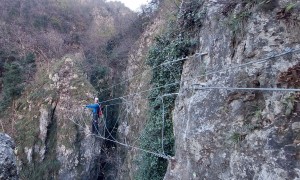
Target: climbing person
x,y
96,109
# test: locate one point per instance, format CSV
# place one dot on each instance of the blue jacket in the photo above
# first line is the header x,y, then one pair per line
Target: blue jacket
x,y
94,107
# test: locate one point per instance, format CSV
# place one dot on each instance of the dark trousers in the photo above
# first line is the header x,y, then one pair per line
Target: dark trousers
x,y
95,127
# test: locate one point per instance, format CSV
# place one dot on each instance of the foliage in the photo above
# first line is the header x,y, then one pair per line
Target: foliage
x,y
289,104
28,66
236,137
49,166
174,43
147,12
12,84
190,16
96,75
41,22
290,7
169,46
258,114
38,171
28,127
236,22
16,71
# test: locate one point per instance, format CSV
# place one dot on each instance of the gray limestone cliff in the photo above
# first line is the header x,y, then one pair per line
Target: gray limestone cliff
x,y
8,166
233,134
219,133
135,109
53,135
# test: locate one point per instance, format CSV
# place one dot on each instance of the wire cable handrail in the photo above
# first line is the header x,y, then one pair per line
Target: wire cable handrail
x,y
149,70
210,73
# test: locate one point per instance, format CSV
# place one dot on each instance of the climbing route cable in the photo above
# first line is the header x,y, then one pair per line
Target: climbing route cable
x,y
163,155
247,89
196,87
288,51
137,93
149,70
133,147
163,125
159,97
126,145
120,143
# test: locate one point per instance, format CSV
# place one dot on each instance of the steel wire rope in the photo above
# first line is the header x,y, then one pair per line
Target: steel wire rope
x,y
110,132
130,146
232,88
163,125
117,120
126,145
149,98
106,129
208,73
137,93
149,70
136,139
247,89
160,97
288,51
141,133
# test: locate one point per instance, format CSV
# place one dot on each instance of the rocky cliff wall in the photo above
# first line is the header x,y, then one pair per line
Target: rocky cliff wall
x,y
53,128
135,108
8,166
232,134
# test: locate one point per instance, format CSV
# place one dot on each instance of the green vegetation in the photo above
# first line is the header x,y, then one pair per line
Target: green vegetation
x,y
41,22
177,41
43,170
12,83
49,166
237,21
61,131
15,72
51,29
97,75
258,114
252,126
236,137
290,7
289,104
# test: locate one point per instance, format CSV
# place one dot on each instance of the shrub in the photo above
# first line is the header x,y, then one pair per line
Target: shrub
x,y
41,22
12,84
174,43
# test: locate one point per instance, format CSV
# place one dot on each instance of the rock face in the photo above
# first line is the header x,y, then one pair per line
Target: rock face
x,y
231,134
8,166
54,137
135,111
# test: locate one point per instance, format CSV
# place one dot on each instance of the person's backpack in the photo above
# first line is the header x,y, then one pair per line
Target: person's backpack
x,y
100,113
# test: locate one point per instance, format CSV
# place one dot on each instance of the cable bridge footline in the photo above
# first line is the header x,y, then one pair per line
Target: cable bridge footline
x,y
194,86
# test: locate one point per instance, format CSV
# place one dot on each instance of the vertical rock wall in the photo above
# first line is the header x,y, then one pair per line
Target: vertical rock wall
x,y
134,110
230,134
8,166
54,136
